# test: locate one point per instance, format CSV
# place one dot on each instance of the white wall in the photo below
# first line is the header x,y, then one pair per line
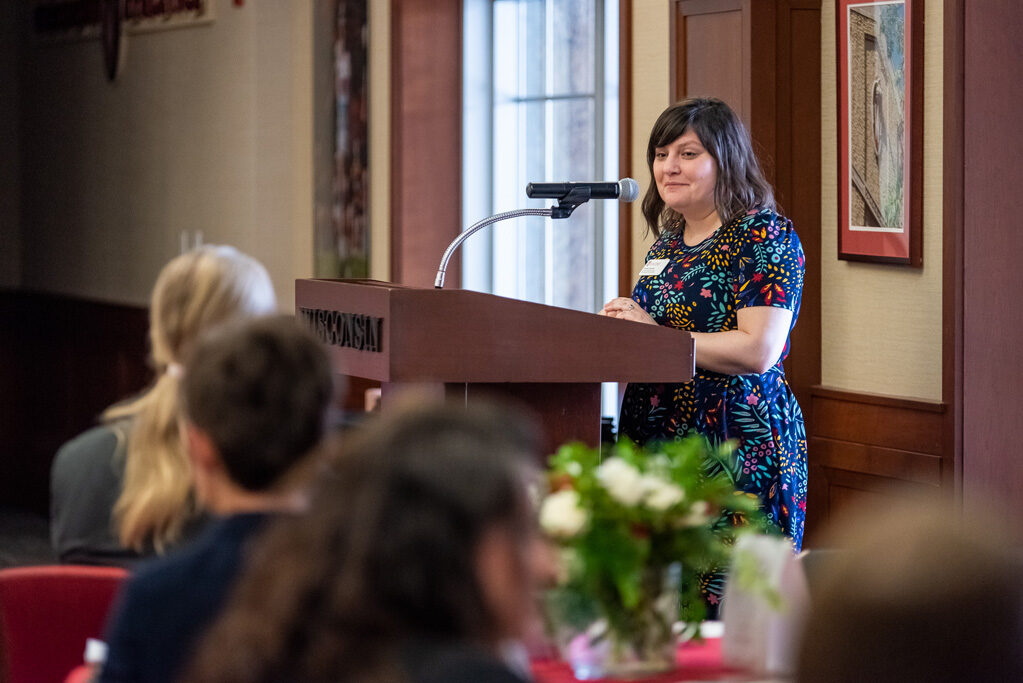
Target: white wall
x,y
208,128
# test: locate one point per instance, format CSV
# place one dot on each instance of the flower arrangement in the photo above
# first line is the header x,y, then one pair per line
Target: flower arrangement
x,y
638,527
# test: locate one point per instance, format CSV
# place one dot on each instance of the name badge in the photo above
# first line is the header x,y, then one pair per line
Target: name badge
x,y
654,266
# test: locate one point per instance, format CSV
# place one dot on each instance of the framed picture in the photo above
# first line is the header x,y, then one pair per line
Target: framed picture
x,y
341,229
880,121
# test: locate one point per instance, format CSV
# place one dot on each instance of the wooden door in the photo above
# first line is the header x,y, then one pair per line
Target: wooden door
x,y
710,45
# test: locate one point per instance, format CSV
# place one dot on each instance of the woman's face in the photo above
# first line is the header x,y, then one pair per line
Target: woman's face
x,y
685,174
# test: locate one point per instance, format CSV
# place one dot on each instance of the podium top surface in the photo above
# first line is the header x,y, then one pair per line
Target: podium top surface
x,y
395,333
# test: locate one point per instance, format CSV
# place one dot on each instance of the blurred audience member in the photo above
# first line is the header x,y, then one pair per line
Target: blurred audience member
x,y
416,562
254,396
123,489
925,596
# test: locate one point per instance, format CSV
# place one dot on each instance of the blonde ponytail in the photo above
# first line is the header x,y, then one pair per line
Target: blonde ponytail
x,y
194,292
156,499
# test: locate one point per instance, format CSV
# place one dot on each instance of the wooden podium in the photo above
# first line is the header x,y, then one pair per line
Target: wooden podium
x,y
466,345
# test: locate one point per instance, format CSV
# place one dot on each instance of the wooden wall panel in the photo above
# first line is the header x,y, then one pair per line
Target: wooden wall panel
x,y
868,449
992,250
62,361
904,424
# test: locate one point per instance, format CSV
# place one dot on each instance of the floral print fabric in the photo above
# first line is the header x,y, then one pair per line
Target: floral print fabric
x,y
754,260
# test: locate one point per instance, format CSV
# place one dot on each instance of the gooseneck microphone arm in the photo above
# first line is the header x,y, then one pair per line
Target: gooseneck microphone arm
x,y
438,282
569,196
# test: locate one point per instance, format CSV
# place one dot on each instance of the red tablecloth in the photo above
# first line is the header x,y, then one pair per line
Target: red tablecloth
x,y
80,674
697,661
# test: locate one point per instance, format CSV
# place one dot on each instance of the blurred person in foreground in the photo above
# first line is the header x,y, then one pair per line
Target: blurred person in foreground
x,y
254,398
416,561
123,490
927,596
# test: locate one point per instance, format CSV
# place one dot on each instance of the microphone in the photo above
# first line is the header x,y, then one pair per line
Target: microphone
x,y
626,190
569,196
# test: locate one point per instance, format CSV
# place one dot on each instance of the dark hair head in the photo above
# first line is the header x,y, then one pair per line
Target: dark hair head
x,y
431,482
740,185
260,389
930,595
387,551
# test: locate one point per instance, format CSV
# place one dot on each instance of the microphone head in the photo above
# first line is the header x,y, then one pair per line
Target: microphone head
x,y
628,190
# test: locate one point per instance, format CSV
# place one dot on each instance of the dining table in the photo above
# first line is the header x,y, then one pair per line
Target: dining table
x,y
696,660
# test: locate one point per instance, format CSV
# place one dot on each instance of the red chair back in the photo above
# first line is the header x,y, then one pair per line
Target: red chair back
x,y
47,613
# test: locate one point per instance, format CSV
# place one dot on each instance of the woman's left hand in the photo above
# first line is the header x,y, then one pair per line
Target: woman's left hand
x,y
626,309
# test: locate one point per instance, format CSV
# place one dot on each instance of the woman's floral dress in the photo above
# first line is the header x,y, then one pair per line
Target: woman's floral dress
x,y
754,260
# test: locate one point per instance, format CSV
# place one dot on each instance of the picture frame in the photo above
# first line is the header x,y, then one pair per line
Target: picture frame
x,y
880,122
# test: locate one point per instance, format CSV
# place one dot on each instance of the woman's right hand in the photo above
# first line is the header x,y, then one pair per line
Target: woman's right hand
x,y
626,309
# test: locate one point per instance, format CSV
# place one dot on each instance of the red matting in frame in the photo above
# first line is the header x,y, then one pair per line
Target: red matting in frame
x,y
866,243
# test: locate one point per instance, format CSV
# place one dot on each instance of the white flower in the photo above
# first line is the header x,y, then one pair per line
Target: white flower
x,y
621,480
699,514
561,516
660,494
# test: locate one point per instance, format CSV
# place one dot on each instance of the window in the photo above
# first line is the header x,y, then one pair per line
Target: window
x,y
540,104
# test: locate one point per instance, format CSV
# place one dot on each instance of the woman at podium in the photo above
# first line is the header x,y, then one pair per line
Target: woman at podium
x,y
728,269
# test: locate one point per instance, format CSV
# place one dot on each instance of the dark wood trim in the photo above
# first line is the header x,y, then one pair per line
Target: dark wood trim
x,y
888,260
761,47
881,488
886,400
916,133
795,172
565,411
838,130
676,52
893,463
690,7
953,89
625,144
761,80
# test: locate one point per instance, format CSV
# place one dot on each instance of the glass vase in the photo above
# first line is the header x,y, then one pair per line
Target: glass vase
x,y
629,643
